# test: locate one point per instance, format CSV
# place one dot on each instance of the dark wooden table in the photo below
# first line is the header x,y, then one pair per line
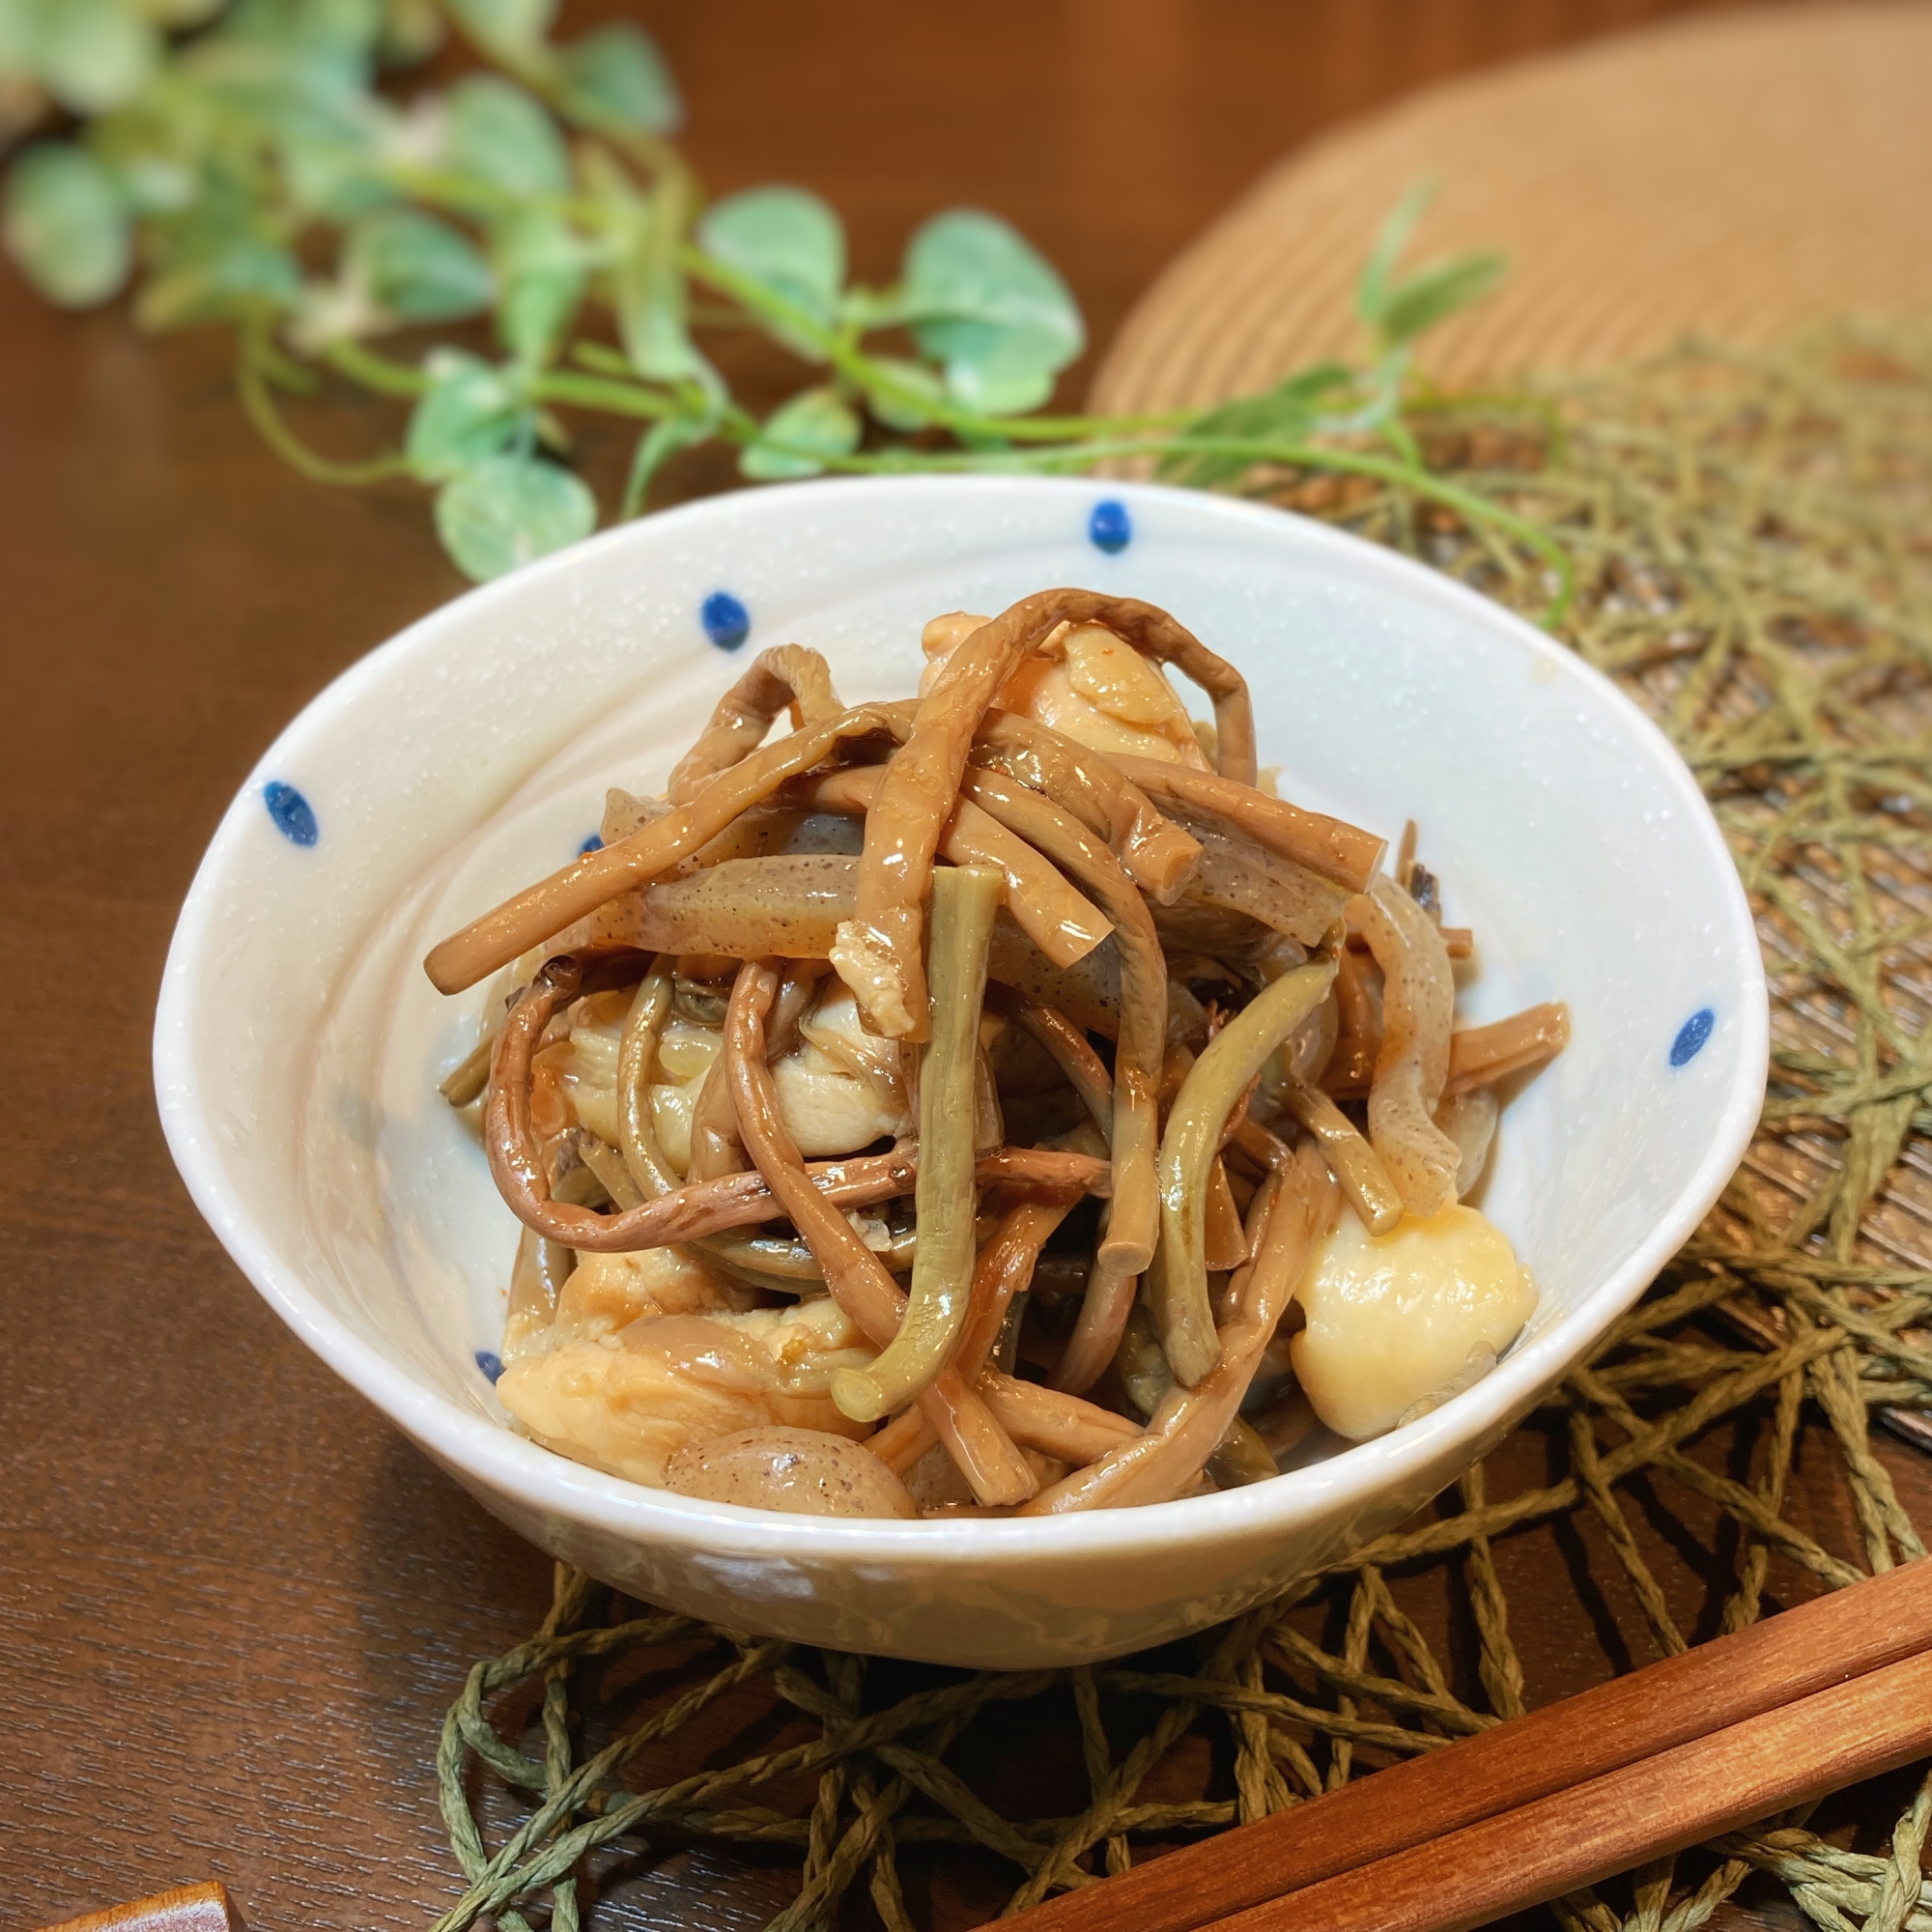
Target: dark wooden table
x,y
233,1602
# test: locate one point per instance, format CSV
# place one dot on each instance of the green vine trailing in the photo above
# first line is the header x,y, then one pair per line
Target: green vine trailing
x,y
261,165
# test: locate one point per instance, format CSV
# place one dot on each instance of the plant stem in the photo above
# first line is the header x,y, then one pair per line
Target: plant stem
x,y
381,373
259,400
1466,503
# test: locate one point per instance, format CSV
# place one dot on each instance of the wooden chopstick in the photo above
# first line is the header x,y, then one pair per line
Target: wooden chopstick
x,y
1538,1851
188,1908
1780,1663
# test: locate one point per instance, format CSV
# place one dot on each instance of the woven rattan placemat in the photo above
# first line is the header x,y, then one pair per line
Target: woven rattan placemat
x,y
1733,173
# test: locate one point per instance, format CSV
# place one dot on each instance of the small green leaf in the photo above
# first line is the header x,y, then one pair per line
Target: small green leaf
x,y
1284,415
509,510
516,25
93,55
784,239
892,410
981,300
332,178
1371,290
503,134
1003,382
470,411
814,423
616,77
540,270
655,447
418,269
243,277
1431,295
67,225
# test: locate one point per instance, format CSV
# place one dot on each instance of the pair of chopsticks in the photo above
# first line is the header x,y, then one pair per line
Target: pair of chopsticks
x,y
1809,1701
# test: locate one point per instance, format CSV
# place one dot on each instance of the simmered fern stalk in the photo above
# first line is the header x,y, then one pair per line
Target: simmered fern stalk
x,y
997,1103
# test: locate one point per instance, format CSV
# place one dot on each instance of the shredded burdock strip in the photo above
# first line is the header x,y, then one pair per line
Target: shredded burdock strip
x,y
1350,1159
878,952
1070,1048
1329,847
964,900
782,1262
1291,1214
730,1200
1052,1420
1132,1226
1412,1066
1004,1266
984,1453
1158,855
1050,912
574,892
1183,1314
787,675
1112,1279
1480,1055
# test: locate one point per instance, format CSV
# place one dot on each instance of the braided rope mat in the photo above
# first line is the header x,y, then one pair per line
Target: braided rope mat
x,y
1751,538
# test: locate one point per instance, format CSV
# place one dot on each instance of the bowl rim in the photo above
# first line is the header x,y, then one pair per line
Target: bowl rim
x,y
484,1450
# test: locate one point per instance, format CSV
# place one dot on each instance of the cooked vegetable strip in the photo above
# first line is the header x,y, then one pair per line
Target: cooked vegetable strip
x,y
787,906
964,900
1004,1266
1004,1269
1131,1228
1478,1055
1183,1315
1062,924
742,1200
1350,1159
1328,847
573,892
1224,1244
1418,1009
787,674
1085,1070
1239,875
1156,854
715,1147
984,1453
1291,1213
1052,1421
466,1081
878,953
768,1261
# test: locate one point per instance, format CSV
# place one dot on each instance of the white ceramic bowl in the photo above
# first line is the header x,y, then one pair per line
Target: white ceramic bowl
x,y
297,1045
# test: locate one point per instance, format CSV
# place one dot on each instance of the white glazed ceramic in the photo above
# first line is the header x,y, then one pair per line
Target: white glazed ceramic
x,y
297,1045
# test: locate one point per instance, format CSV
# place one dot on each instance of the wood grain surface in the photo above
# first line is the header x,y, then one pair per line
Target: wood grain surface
x,y
233,1604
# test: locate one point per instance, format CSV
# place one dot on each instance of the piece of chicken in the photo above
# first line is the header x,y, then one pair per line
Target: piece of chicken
x,y
1087,684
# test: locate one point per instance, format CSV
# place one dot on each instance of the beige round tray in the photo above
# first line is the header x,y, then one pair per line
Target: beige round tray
x,y
1730,174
